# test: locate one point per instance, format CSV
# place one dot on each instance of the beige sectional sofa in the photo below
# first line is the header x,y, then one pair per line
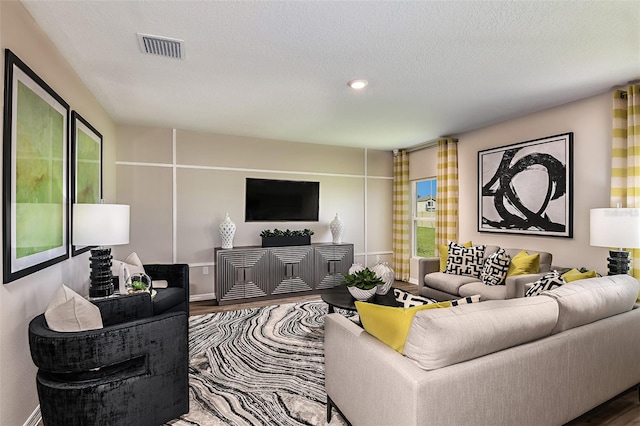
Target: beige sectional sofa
x,y
541,360
442,286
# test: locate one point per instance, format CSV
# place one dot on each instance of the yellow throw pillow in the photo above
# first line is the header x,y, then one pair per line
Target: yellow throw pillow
x,y
390,324
524,263
574,275
443,251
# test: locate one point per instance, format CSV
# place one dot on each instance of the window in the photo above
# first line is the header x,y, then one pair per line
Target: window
x,y
424,217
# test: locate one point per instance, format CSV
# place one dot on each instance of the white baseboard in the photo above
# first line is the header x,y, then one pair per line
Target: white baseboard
x,y
413,281
201,297
34,418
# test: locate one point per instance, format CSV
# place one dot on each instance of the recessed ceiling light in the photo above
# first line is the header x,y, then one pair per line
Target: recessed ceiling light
x,y
358,84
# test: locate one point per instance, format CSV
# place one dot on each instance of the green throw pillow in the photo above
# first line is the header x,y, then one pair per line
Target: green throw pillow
x,y
574,275
524,263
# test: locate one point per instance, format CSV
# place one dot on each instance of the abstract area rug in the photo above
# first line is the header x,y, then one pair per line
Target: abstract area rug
x,y
261,366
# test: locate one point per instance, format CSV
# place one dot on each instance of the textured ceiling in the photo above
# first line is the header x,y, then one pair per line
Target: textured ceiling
x,y
278,69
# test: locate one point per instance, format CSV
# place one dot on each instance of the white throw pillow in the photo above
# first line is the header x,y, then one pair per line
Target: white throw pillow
x,y
68,311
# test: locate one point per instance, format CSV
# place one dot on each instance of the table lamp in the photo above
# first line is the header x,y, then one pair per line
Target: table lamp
x,y
616,227
100,225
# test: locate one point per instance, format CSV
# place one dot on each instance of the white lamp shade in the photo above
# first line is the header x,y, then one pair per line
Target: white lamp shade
x,y
615,227
100,224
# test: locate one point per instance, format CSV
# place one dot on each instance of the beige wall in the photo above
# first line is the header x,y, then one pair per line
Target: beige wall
x,y
181,183
25,298
590,122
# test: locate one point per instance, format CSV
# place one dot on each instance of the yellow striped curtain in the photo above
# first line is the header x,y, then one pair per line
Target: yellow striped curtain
x,y
401,212
625,155
447,193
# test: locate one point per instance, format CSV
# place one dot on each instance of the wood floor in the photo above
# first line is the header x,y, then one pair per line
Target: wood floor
x,y
620,411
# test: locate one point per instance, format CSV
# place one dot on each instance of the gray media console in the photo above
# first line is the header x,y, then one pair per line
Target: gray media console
x,y
248,272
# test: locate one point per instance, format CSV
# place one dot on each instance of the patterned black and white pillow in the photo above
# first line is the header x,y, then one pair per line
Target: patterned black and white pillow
x,y
410,300
469,299
495,268
549,281
465,261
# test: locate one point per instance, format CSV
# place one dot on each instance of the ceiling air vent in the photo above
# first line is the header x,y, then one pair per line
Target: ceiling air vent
x,y
163,46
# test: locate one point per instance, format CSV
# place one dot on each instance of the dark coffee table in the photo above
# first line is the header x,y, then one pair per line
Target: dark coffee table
x,y
339,297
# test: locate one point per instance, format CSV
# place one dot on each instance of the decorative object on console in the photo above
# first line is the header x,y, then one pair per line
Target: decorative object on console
x,y
526,187
337,229
278,238
100,225
386,274
362,284
616,227
227,230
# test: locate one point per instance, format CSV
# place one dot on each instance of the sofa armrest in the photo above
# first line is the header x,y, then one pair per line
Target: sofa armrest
x,y
124,308
176,275
516,284
426,266
356,361
156,338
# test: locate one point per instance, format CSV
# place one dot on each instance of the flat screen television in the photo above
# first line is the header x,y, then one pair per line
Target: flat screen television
x,y
269,200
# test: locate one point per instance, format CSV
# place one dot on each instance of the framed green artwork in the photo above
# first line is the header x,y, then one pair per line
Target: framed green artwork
x,y
86,167
35,172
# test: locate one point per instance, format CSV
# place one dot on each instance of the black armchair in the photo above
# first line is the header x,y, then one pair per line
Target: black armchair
x,y
175,297
134,371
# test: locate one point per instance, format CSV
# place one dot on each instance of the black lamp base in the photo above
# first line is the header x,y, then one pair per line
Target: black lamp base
x,y
101,280
618,262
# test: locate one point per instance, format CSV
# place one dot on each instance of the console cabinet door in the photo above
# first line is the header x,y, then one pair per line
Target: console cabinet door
x,y
242,274
291,269
331,263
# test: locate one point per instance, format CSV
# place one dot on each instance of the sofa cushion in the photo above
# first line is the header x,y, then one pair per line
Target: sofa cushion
x,y
442,337
548,281
487,292
391,324
167,299
495,268
585,301
465,261
443,253
448,283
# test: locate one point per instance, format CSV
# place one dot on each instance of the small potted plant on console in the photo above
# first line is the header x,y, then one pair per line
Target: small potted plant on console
x,y
278,238
362,284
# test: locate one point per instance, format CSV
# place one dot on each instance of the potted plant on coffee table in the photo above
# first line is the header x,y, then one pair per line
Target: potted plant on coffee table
x,y
362,284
